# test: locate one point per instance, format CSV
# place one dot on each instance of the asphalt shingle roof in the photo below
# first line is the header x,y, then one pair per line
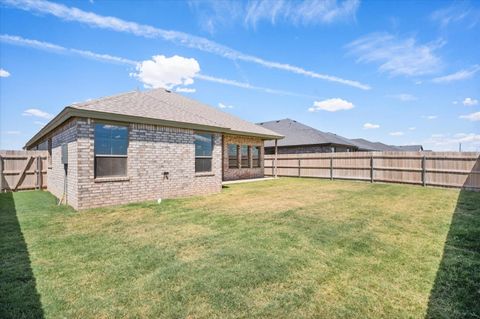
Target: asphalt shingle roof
x,y
166,105
365,145
300,134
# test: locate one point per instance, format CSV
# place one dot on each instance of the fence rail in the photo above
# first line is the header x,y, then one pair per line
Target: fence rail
x,y
21,170
446,169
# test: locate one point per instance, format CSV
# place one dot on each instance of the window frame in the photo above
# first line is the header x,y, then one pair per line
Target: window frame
x,y
249,156
195,133
259,165
237,152
112,156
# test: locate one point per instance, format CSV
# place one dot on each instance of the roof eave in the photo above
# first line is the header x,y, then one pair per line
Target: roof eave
x,y
70,112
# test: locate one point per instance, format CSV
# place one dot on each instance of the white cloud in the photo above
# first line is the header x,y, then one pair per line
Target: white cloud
x,y
470,102
445,142
370,126
37,113
300,12
185,90
40,123
331,105
4,73
164,72
457,76
396,133
184,39
225,106
474,117
455,102
430,117
412,128
13,132
397,56
404,97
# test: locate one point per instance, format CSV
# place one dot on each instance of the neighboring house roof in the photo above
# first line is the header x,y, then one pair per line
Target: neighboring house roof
x,y
300,134
366,145
158,107
411,148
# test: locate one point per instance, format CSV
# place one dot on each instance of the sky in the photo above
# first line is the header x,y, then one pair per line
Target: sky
x,y
397,72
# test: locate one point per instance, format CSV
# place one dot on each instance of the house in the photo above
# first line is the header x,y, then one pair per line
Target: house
x,y
411,148
300,138
146,145
368,146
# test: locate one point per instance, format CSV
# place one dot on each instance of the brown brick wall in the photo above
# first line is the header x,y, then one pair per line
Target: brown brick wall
x,y
152,151
242,172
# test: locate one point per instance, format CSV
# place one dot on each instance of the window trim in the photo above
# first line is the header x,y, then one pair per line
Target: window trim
x,y
259,165
110,178
237,150
198,173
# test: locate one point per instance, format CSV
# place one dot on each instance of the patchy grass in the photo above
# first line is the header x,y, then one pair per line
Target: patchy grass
x,y
288,248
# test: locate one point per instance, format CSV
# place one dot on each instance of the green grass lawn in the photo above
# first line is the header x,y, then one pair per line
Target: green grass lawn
x,y
287,248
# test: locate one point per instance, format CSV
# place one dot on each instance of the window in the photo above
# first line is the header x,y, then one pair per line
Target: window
x,y
111,144
232,156
245,156
203,152
256,156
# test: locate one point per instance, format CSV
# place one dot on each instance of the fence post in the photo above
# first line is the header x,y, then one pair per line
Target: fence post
x,y
371,168
40,174
424,177
1,174
299,168
331,168
36,173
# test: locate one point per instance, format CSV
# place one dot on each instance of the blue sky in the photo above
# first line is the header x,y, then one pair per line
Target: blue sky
x,y
396,72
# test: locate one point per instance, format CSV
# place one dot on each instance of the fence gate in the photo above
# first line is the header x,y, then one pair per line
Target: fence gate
x,y
21,170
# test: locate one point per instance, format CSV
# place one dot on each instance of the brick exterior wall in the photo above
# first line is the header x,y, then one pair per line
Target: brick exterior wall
x,y
302,149
67,133
242,172
152,150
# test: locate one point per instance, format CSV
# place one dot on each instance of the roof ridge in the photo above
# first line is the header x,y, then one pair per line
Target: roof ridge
x,y
103,98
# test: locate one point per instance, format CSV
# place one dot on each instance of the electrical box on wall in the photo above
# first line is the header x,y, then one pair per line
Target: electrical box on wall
x,y
64,153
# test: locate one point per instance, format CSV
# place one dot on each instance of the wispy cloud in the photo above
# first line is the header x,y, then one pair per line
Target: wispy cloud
x,y
39,123
370,126
300,12
458,76
458,12
114,59
184,39
430,117
37,113
396,133
225,106
404,97
397,56
412,128
474,117
16,40
4,73
331,105
13,132
469,101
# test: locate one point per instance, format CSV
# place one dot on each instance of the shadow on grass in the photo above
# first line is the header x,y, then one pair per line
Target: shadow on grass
x,y
18,294
456,291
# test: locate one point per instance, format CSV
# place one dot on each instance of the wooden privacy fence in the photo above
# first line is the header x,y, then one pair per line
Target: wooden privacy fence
x,y
446,169
23,170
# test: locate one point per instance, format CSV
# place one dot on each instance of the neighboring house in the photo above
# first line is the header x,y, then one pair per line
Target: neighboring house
x,y
144,146
300,138
366,145
411,148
